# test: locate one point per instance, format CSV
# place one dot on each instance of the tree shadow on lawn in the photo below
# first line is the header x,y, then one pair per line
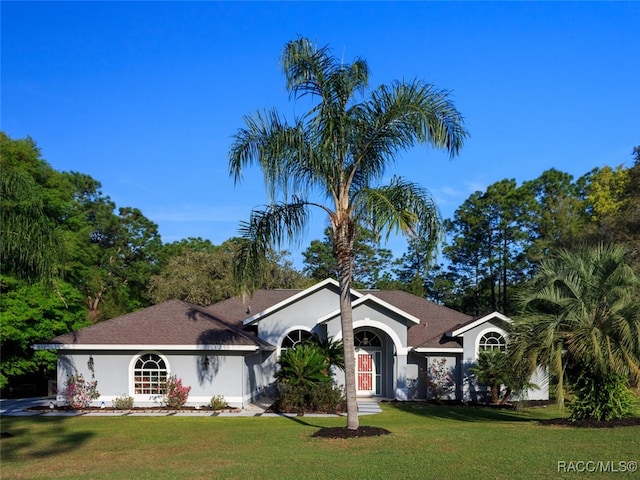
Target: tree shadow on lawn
x,y
460,413
340,432
52,440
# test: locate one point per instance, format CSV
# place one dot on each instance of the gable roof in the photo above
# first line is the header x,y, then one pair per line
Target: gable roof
x,y
173,324
474,322
373,299
435,320
296,295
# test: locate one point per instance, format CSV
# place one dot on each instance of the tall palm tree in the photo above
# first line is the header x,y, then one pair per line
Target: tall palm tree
x,y
581,316
332,158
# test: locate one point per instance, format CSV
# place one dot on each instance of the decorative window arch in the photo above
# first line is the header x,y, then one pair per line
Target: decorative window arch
x,y
366,338
293,338
150,374
492,340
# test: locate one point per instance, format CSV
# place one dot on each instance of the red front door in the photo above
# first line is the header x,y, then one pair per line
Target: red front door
x,y
365,373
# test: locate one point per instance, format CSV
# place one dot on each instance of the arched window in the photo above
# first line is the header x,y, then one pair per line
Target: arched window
x,y
492,341
293,338
366,338
149,375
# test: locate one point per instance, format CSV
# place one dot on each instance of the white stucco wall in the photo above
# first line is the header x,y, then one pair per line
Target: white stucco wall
x,y
226,375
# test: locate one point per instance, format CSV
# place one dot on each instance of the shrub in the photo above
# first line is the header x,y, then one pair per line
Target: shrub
x,y
218,402
602,398
439,379
78,393
304,364
176,394
123,403
300,398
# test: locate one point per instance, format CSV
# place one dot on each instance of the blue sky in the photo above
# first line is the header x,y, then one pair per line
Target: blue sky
x,y
145,97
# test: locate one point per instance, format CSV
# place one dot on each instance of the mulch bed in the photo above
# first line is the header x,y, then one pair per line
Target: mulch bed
x,y
45,409
592,423
344,432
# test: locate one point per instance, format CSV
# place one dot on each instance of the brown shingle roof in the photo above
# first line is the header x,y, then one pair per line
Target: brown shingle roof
x,y
435,320
169,323
235,310
179,323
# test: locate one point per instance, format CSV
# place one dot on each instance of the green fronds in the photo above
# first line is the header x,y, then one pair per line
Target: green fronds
x,y
582,311
266,228
401,206
304,364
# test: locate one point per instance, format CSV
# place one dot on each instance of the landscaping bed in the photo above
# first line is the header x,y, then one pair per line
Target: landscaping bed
x,y
158,409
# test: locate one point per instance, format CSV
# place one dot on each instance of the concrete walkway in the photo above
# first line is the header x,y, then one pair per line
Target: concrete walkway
x,y
20,408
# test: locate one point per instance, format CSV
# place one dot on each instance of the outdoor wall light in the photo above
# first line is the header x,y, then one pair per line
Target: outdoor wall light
x,y
90,363
206,362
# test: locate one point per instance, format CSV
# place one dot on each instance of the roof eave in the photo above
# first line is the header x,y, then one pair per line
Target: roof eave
x,y
103,347
437,350
477,322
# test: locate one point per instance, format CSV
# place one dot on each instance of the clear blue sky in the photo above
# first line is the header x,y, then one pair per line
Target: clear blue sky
x,y
145,97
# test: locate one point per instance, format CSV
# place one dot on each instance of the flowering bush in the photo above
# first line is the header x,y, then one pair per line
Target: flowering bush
x,y
176,394
439,379
78,393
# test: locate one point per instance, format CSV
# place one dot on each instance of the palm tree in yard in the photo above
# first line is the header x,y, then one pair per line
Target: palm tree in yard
x,y
582,320
332,158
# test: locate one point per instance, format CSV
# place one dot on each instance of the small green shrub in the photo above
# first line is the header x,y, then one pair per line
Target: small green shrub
x,y
123,403
218,402
602,398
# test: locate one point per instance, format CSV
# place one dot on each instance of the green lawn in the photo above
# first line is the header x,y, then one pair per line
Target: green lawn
x,y
425,442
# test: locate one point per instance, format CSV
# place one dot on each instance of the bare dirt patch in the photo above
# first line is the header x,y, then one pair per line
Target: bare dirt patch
x,y
344,432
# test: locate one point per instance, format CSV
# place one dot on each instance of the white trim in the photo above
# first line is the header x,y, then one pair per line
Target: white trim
x,y
287,332
366,322
373,298
480,321
489,329
260,315
438,350
142,397
191,348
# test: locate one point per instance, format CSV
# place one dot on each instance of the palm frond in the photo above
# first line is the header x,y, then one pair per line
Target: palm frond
x,y
401,206
272,226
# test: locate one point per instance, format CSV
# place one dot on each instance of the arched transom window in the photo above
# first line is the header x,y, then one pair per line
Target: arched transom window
x,y
149,375
366,338
492,341
293,338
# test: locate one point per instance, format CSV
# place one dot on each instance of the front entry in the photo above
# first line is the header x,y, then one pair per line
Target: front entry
x,y
368,372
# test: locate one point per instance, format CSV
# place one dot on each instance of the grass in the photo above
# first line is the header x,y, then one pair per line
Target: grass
x,y
425,442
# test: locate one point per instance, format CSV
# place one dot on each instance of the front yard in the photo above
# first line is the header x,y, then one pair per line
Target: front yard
x,y
425,442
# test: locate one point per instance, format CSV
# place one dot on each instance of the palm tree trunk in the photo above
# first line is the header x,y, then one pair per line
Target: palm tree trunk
x,y
343,238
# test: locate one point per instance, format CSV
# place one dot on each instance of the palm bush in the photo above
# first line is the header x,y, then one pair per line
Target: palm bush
x,y
303,381
491,369
581,321
304,364
333,350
